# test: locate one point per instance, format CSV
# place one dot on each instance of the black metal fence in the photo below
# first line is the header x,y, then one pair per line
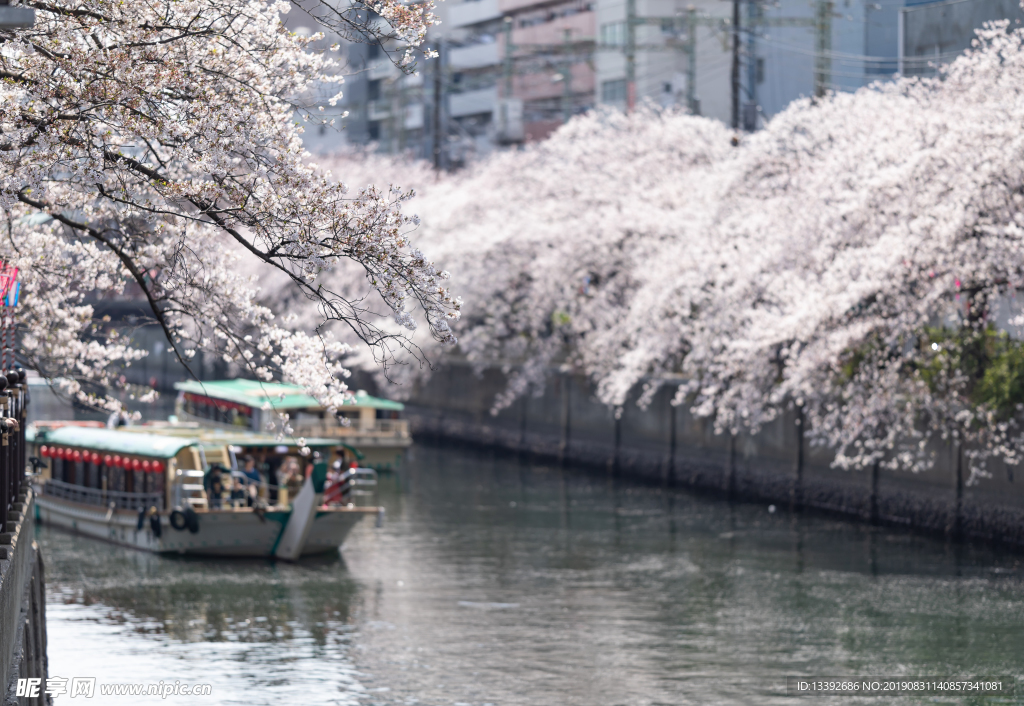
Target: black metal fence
x,y
13,405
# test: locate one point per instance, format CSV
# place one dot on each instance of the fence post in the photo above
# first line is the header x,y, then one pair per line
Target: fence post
x,y
22,422
730,472
613,462
671,476
956,525
6,497
563,445
873,500
796,499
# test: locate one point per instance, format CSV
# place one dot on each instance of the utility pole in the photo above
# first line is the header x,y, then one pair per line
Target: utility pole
x,y
823,58
508,57
750,109
438,95
630,55
691,62
400,113
735,64
567,78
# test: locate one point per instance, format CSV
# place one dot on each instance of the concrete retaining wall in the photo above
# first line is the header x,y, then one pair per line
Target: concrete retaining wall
x,y
666,444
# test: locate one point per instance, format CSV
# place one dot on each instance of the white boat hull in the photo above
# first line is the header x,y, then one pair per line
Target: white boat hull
x,y
221,532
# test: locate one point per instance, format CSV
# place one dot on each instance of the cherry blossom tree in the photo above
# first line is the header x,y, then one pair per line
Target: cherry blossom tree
x,y
859,259
157,144
881,254
551,240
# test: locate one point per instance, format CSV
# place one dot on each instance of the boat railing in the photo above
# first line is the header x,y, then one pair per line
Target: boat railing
x,y
398,427
355,478
103,498
352,482
188,488
382,427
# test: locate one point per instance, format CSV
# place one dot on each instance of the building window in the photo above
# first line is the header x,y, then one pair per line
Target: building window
x,y
613,91
373,130
613,34
374,51
373,90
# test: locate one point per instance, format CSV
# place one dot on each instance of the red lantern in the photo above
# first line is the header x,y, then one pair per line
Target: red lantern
x,y
108,460
44,451
116,461
136,464
76,455
158,467
146,466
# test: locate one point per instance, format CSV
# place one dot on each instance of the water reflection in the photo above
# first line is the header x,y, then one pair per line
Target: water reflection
x,y
504,582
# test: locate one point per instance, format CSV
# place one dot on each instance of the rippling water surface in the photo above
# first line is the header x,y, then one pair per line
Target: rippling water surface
x,y
500,581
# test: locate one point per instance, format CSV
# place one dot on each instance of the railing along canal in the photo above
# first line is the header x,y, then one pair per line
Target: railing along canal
x,y
13,405
22,584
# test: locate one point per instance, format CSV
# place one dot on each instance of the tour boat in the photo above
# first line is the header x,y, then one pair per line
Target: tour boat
x,y
370,424
147,491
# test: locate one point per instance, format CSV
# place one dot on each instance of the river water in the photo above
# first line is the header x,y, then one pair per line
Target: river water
x,y
500,581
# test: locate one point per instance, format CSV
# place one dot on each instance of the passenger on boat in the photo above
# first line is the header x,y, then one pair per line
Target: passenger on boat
x,y
238,494
253,479
292,476
213,481
249,469
332,487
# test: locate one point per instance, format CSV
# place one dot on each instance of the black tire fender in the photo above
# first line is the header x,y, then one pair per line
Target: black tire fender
x,y
191,520
178,520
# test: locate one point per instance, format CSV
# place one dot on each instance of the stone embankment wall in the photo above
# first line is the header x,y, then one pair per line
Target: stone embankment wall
x,y
22,604
665,444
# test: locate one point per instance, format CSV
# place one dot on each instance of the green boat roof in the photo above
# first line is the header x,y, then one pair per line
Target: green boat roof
x,y
254,393
110,440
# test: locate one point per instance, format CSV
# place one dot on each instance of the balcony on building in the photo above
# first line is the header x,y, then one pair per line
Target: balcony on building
x,y
471,13
475,102
474,56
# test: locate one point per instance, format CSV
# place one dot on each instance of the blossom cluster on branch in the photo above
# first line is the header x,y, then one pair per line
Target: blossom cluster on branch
x,y
851,259
157,143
